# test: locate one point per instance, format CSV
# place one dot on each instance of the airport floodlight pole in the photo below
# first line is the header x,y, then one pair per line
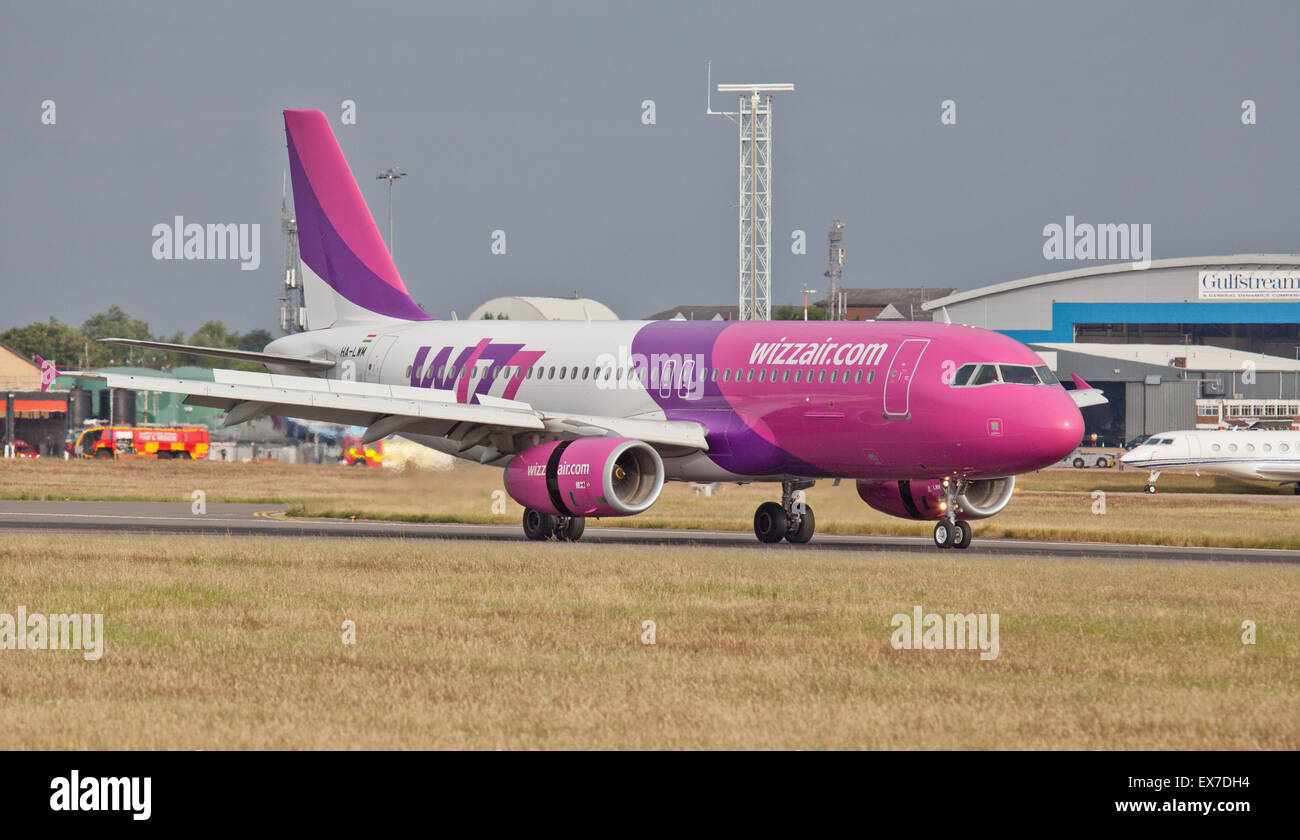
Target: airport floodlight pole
x,y
806,292
835,270
390,175
754,117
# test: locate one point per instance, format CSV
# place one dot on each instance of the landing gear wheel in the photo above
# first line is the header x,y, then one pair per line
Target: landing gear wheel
x,y
944,533
1150,488
770,522
962,538
801,530
571,530
538,525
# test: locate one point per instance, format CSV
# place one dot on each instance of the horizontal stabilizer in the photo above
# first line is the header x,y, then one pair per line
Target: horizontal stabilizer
x,y
302,362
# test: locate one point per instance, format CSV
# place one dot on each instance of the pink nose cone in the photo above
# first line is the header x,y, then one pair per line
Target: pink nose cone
x,y
1062,431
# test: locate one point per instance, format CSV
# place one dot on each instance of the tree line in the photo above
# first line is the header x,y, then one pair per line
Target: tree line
x,y
71,347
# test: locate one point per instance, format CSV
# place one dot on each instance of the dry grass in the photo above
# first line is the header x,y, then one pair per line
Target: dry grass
x,y
222,643
1054,504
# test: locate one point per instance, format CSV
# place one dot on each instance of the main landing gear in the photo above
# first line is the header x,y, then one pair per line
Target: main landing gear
x,y
791,520
951,532
546,526
1151,482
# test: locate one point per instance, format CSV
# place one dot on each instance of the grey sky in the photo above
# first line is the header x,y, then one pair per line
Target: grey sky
x,y
526,117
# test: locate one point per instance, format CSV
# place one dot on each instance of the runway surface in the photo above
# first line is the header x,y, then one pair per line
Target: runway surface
x,y
268,520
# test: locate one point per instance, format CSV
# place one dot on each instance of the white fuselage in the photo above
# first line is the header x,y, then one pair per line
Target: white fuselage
x,y
1251,455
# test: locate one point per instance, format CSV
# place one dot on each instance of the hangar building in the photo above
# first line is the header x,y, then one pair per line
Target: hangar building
x,y
1210,341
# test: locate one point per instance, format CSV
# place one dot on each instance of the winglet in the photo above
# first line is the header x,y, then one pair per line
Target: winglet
x,y
49,373
1084,394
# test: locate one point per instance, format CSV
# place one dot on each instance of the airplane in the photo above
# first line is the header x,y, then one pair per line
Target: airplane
x,y
932,420
1248,455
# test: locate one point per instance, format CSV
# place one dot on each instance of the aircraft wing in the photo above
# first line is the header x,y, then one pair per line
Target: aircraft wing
x,y
390,409
1279,471
1084,394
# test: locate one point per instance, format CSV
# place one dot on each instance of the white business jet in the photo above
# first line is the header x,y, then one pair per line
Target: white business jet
x,y
1249,455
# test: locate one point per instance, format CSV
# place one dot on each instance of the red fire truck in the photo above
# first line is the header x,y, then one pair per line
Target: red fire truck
x,y
355,453
142,442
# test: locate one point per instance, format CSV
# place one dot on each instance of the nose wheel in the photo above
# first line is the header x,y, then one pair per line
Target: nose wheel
x,y
956,534
1151,482
951,532
792,520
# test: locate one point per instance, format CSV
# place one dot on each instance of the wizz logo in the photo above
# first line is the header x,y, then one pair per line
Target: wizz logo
x,y
445,374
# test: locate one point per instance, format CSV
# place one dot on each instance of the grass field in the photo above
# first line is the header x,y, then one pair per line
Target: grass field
x,y
237,642
1054,504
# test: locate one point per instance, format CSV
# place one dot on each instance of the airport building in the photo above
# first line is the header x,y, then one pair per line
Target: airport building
x,y
1180,342
517,308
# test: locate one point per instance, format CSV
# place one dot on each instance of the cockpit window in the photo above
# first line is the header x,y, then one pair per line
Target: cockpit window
x,y
962,377
1018,374
986,375
972,375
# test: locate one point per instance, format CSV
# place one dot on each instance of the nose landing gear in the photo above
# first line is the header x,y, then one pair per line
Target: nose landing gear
x,y
951,532
1151,482
792,520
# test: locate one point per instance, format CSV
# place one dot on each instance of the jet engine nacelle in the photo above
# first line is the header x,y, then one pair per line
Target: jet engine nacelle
x,y
923,499
586,477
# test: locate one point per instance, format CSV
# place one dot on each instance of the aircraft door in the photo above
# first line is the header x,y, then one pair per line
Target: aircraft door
x,y
375,358
898,382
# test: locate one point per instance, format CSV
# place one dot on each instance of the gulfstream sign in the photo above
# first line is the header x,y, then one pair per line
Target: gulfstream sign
x,y
1249,285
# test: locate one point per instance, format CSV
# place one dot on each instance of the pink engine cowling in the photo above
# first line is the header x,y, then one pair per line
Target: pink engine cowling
x,y
923,498
587,477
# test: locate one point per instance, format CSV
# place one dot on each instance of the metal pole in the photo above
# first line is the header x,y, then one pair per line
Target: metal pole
x,y
9,425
